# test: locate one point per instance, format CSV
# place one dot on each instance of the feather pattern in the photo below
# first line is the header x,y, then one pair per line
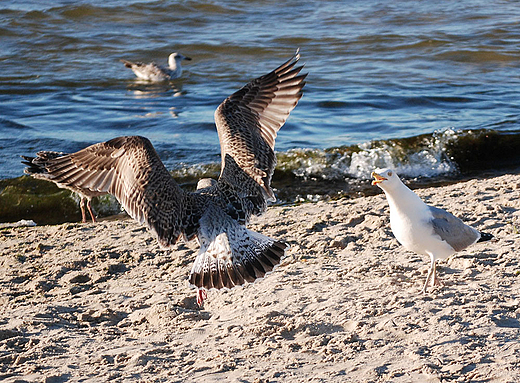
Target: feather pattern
x,y
452,230
131,170
248,121
37,168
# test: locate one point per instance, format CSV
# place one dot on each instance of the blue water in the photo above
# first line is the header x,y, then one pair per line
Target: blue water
x,y
377,70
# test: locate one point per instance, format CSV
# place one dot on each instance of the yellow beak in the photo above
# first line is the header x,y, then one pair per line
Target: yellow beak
x,y
378,178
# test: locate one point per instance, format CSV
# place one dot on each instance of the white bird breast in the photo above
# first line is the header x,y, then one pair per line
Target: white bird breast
x,y
419,236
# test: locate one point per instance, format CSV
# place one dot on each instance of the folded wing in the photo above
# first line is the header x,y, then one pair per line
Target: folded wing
x,y
452,230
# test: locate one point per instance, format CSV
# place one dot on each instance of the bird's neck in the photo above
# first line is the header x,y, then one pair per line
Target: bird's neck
x,y
175,71
401,198
172,63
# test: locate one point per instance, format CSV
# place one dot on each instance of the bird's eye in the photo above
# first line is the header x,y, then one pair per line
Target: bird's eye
x,y
390,173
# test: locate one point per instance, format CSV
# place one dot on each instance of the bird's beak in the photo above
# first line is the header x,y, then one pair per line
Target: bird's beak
x,y
187,58
378,178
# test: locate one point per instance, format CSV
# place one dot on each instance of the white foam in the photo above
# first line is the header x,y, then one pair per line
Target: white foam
x,y
429,160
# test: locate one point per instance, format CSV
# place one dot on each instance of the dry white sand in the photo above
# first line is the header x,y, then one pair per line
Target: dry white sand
x,y
98,302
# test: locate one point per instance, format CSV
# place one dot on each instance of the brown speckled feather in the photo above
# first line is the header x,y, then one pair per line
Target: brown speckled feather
x,y
37,168
130,169
248,121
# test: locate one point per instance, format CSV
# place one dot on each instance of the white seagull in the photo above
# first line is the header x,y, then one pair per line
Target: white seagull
x,y
424,229
218,212
156,73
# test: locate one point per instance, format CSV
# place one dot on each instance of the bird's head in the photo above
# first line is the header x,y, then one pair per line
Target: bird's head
x,y
177,57
205,183
384,178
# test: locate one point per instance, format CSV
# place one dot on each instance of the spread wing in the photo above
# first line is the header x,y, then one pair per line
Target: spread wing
x,y
36,167
452,230
248,122
130,169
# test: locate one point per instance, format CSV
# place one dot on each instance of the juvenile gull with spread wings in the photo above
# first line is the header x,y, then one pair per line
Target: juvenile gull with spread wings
x,y
421,228
218,212
156,73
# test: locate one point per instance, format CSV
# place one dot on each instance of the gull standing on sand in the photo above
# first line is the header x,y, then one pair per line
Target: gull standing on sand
x,y
218,212
421,228
156,73
37,170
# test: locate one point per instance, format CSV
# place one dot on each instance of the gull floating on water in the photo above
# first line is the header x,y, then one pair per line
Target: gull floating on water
x,y
421,228
154,72
218,212
37,170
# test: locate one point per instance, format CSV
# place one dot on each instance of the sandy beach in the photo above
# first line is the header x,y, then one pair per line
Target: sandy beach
x,y
99,302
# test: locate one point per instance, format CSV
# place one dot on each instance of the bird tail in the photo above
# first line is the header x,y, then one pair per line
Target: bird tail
x,y
235,256
128,64
485,237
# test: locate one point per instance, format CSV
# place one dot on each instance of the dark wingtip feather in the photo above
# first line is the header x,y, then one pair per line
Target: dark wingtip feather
x,y
485,237
32,168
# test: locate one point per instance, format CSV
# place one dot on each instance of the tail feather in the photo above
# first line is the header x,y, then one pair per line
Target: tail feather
x,y
128,64
258,267
250,271
220,279
274,254
234,257
485,237
235,278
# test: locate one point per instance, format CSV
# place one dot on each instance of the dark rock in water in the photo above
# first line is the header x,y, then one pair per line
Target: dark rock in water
x,y
43,202
485,149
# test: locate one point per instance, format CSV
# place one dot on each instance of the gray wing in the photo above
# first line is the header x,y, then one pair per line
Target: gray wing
x,y
130,169
248,122
154,71
452,230
150,71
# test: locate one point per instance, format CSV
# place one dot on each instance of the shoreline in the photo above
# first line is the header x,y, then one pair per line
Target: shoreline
x,y
93,302
26,198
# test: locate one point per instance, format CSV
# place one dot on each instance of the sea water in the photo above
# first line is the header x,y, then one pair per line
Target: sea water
x,y
409,84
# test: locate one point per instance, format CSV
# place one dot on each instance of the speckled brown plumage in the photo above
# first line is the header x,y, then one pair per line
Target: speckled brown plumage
x,y
37,168
248,120
217,213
